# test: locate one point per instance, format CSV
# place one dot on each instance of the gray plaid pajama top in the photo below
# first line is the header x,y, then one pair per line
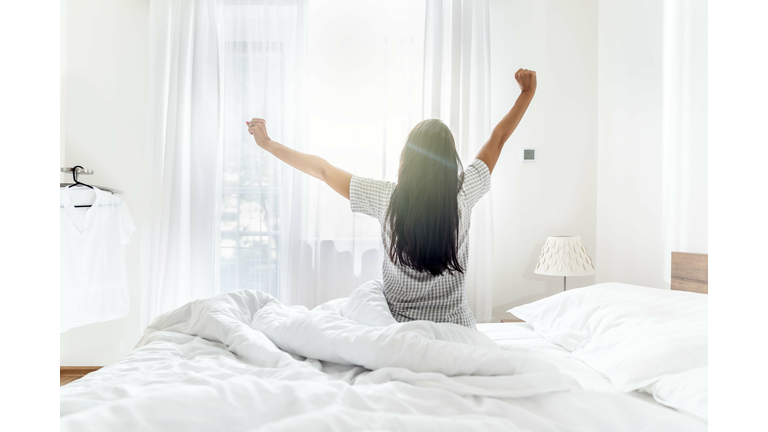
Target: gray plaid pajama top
x,y
413,295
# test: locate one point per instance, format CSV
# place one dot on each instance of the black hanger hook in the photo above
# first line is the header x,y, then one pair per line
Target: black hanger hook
x,y
74,173
74,177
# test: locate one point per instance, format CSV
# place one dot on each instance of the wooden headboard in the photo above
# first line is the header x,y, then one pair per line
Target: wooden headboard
x,y
689,272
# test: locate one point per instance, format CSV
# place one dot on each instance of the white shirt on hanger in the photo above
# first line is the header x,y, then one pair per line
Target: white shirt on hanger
x,y
93,284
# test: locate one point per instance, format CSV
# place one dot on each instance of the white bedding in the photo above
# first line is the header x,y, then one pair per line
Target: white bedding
x,y
522,339
687,391
631,334
238,362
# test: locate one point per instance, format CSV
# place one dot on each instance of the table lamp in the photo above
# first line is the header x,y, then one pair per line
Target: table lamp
x,y
564,256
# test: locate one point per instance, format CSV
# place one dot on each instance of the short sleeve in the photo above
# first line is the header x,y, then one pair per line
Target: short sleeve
x,y
477,182
369,196
126,223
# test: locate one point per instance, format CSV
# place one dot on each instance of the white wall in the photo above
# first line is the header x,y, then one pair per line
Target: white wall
x,y
630,137
106,45
640,156
62,85
556,195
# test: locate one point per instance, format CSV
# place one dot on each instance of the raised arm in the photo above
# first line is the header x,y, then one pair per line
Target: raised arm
x,y
317,167
491,150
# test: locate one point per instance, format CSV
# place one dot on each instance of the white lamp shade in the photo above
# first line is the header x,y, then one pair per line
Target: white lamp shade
x,y
564,256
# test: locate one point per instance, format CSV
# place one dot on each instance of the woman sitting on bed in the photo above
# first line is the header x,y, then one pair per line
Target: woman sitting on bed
x,y
425,215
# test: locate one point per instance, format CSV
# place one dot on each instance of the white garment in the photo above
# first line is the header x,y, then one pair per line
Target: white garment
x,y
93,284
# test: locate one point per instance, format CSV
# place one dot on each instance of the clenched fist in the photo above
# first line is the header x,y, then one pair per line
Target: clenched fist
x,y
258,128
526,79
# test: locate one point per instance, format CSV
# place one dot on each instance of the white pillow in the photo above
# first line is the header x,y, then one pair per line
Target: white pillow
x,y
686,391
631,334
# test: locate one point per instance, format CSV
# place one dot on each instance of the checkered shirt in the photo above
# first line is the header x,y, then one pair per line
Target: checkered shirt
x,y
413,295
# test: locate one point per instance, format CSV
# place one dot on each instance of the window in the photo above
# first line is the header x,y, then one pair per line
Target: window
x,y
351,94
258,71
365,92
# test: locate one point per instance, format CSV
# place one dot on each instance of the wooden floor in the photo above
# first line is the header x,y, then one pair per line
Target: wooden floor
x,y
67,374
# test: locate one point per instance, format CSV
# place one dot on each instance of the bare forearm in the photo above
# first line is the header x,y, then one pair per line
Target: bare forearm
x,y
317,167
508,124
491,150
304,162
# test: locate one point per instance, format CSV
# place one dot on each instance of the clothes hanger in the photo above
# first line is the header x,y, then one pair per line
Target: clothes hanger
x,y
78,183
78,171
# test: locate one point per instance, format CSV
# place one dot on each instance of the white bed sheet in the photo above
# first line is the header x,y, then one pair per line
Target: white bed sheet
x,y
521,338
243,362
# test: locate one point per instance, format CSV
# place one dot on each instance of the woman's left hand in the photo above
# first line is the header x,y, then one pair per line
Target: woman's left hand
x,y
258,128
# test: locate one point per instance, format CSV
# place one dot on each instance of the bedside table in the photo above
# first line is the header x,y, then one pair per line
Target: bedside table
x,y
512,319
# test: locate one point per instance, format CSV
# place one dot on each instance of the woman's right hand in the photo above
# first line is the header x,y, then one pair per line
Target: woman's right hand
x,y
526,79
258,128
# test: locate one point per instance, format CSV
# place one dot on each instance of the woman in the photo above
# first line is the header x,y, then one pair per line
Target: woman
x,y
425,215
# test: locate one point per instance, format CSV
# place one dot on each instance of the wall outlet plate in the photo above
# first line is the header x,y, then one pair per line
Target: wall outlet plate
x,y
529,155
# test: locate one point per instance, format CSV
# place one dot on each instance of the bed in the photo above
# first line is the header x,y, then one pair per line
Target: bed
x,y
244,362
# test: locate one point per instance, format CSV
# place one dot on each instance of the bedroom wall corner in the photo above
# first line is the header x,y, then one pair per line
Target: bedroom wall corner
x,y
106,50
556,194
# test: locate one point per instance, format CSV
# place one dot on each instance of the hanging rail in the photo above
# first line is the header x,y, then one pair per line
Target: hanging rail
x,y
78,171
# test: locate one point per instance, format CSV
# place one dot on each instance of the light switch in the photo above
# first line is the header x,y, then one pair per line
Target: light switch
x,y
529,155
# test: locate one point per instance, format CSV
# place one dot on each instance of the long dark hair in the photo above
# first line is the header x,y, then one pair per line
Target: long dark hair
x,y
423,212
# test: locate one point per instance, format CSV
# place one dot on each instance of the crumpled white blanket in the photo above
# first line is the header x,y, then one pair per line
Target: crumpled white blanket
x,y
242,361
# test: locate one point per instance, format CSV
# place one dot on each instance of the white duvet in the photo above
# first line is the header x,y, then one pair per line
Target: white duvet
x,y
244,362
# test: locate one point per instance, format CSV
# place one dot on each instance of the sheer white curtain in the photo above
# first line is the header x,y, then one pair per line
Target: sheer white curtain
x,y
182,147
685,128
457,90
263,55
364,92
223,209
344,79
